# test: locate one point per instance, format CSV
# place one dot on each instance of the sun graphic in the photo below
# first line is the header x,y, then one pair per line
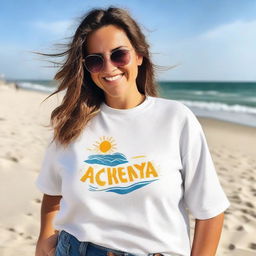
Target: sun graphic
x,y
105,145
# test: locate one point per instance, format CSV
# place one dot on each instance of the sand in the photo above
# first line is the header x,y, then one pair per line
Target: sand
x,y
23,139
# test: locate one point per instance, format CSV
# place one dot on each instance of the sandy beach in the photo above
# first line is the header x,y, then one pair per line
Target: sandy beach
x,y
23,138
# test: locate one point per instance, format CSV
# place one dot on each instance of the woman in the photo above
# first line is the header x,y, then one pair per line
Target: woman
x,y
124,167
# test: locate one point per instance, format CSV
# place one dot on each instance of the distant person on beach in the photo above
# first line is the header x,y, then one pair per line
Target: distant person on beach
x,y
124,167
16,86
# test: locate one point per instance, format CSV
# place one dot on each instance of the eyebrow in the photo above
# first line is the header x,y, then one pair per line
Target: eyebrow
x,y
99,53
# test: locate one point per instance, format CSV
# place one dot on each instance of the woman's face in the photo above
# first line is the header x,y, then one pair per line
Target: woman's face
x,y
103,41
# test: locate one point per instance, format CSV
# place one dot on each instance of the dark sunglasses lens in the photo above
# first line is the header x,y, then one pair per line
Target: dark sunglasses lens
x,y
93,63
120,57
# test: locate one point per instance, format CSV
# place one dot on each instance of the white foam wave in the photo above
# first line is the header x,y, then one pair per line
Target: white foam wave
x,y
214,93
217,106
205,92
36,87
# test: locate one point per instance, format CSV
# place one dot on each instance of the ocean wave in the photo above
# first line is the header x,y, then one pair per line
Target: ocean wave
x,y
217,106
205,92
36,87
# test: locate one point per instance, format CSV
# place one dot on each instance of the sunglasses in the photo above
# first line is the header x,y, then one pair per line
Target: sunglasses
x,y
94,62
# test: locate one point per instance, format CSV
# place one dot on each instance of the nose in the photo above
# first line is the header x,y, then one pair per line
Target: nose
x,y
108,66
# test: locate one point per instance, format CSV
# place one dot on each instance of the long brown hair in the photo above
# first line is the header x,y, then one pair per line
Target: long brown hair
x,y
83,97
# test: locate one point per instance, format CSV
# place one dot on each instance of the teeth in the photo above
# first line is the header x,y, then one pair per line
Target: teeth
x,y
113,78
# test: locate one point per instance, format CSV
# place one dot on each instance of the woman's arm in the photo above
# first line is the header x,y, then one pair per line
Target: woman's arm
x,y
48,235
207,236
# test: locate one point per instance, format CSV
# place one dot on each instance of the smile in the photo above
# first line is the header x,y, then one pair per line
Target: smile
x,y
114,78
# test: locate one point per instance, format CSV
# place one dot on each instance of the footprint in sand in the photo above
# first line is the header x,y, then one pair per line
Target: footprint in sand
x,y
253,246
13,159
240,228
253,189
246,219
244,210
37,200
251,178
252,214
249,204
225,226
231,247
235,199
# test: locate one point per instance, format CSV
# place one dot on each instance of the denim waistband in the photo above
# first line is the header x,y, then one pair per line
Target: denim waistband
x,y
86,246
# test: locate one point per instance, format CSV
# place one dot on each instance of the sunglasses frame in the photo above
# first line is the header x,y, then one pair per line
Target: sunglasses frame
x,y
108,59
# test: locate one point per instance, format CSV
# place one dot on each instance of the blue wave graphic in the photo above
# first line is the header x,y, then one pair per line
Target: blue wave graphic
x,y
124,190
108,160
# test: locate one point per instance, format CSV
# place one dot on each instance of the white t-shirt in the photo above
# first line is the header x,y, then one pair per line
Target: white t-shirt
x,y
129,179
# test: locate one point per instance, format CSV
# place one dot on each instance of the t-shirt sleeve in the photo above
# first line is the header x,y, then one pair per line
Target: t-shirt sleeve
x,y
203,194
49,180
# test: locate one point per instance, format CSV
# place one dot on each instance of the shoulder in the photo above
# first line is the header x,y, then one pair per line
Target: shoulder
x,y
173,107
53,147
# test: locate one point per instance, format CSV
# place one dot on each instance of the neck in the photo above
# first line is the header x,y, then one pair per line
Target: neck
x,y
129,101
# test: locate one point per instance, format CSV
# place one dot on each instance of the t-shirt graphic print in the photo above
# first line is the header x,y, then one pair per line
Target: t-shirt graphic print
x,y
113,172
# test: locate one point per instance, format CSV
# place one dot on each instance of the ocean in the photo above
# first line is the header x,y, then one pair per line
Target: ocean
x,y
229,101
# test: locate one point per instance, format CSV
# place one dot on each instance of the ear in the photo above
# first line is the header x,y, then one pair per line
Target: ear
x,y
139,60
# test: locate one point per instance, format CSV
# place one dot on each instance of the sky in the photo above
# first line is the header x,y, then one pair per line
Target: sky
x,y
204,40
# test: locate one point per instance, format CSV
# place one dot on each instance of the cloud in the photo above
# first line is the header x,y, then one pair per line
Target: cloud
x,y
18,63
227,52
56,27
238,29
28,65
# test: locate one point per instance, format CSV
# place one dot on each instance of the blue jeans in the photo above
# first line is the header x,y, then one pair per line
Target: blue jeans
x,y
68,245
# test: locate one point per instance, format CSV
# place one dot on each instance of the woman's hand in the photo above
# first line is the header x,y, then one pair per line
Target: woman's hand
x,y
46,246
